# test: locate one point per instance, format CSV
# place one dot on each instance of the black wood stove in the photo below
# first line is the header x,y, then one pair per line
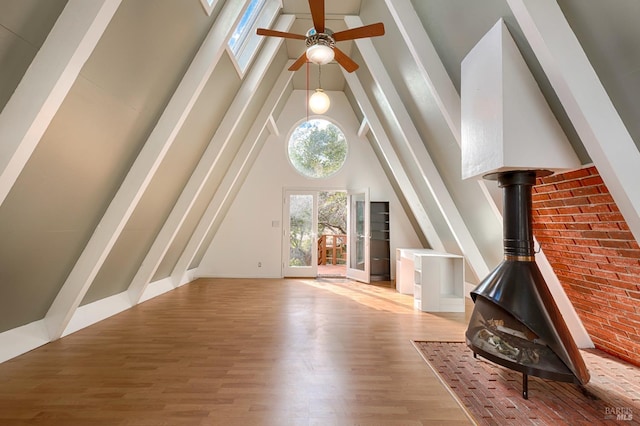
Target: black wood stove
x,y
515,321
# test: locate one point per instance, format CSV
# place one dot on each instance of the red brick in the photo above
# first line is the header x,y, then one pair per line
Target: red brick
x,y
586,217
621,235
599,225
601,199
585,191
576,174
592,180
616,288
545,189
604,274
535,197
576,248
617,244
546,212
578,201
604,251
612,268
632,253
578,226
634,294
593,253
595,208
629,320
568,184
598,235
611,217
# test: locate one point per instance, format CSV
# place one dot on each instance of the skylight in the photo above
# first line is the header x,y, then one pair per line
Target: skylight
x,y
244,41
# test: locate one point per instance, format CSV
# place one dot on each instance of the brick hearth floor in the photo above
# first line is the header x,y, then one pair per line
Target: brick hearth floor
x,y
493,394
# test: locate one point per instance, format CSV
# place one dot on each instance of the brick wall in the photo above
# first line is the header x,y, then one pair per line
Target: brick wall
x,y
594,255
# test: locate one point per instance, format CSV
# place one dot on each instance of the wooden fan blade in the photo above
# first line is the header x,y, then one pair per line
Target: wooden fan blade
x,y
317,14
274,33
346,62
372,30
299,62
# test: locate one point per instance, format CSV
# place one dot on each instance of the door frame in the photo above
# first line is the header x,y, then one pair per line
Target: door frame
x,y
353,272
310,271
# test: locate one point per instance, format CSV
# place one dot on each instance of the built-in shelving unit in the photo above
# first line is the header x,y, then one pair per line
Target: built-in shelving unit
x,y
435,279
380,251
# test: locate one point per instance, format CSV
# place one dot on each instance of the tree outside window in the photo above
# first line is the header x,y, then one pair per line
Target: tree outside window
x,y
317,148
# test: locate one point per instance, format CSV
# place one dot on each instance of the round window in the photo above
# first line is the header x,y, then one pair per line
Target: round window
x,y
317,148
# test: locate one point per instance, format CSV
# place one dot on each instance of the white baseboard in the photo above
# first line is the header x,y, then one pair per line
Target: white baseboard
x,y
94,312
20,340
157,288
23,339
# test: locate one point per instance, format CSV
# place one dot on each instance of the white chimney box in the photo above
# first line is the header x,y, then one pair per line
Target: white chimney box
x,y
506,121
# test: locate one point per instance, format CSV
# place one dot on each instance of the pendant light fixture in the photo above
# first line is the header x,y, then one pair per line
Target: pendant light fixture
x,y
319,102
320,46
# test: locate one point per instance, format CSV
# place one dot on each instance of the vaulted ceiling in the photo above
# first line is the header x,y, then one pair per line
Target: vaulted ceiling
x,y
121,121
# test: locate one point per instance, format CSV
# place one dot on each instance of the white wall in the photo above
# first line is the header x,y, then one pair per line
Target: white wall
x,y
252,230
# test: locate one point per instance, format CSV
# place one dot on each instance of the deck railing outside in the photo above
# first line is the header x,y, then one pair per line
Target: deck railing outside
x,y
332,249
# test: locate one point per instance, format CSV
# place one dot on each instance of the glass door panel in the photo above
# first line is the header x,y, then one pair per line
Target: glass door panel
x,y
358,229
300,248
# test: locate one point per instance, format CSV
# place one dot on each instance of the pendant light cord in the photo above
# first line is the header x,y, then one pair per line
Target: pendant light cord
x,y
307,64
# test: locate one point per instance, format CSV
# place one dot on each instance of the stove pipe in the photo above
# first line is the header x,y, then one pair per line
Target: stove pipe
x,y
515,321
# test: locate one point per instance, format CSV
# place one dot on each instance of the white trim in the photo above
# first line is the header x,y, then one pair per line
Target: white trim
x,y
140,174
273,127
208,161
20,340
250,47
364,128
393,162
429,64
416,151
569,314
234,176
585,100
94,312
437,79
47,81
23,339
208,6
156,288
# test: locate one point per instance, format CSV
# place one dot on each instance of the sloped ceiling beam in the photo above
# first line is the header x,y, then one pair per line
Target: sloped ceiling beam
x,y
141,172
431,67
47,81
208,162
585,100
233,179
419,154
393,162
435,75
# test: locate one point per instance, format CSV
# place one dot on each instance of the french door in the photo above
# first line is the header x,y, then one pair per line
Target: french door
x,y
300,250
359,236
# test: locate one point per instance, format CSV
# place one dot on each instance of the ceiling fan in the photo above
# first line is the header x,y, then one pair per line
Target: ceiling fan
x,y
321,41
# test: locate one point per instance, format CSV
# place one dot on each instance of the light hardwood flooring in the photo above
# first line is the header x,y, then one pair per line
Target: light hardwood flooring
x,y
242,352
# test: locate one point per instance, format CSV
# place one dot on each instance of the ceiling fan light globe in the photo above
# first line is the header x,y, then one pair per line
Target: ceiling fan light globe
x,y
320,54
319,102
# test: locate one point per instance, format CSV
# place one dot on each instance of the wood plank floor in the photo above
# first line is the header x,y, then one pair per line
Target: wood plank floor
x,y
241,352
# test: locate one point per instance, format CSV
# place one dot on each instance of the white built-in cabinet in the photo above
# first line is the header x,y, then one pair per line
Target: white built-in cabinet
x,y
435,279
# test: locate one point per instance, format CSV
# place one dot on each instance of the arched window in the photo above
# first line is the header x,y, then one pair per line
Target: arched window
x,y
317,148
